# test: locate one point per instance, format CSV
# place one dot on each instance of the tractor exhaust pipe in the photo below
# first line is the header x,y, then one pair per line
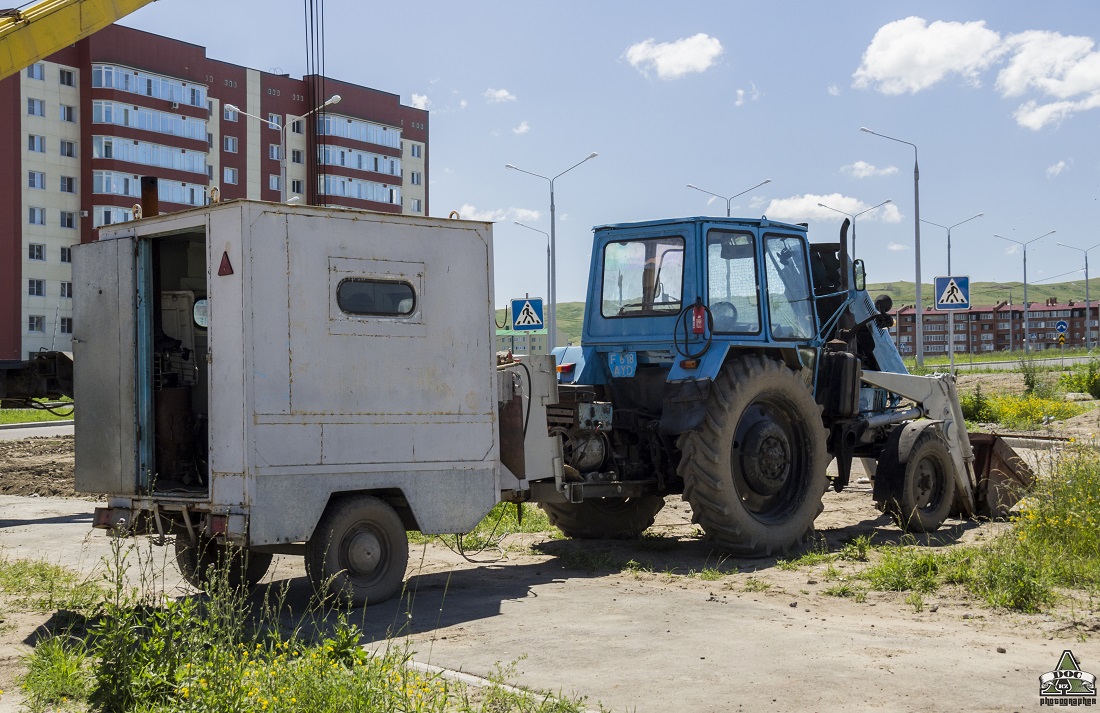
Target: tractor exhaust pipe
x,y
845,268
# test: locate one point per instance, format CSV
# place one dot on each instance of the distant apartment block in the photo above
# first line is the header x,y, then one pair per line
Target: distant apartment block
x,y
522,342
80,129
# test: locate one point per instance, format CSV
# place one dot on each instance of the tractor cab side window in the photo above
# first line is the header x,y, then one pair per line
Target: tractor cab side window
x,y
732,293
643,278
790,300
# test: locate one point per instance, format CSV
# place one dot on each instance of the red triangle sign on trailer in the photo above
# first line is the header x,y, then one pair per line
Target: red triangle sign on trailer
x,y
225,268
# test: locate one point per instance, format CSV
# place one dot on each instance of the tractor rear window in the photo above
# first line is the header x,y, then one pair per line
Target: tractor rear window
x,y
731,282
377,298
643,278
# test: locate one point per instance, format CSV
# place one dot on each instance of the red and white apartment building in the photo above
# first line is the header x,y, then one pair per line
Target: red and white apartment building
x,y
79,130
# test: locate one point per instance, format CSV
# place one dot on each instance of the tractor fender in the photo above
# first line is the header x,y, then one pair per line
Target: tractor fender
x,y
894,455
910,432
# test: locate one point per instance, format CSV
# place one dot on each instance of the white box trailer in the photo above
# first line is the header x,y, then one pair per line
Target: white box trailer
x,y
291,379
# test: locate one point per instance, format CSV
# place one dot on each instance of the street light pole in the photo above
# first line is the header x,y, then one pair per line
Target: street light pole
x,y
1088,304
853,217
951,313
730,199
552,321
1027,335
547,251
334,99
916,240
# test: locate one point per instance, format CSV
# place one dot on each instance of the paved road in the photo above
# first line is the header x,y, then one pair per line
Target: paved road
x,y
16,431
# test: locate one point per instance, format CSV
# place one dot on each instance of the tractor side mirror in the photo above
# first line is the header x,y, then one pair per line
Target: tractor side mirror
x,y
860,275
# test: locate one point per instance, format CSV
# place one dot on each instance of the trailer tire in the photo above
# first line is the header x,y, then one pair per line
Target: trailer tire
x,y
358,551
925,484
605,518
754,472
242,567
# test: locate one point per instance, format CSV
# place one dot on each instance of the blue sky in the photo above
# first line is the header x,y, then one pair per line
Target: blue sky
x,y
1002,99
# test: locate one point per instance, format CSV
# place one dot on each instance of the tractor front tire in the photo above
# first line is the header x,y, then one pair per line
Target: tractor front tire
x,y
926,484
754,472
605,518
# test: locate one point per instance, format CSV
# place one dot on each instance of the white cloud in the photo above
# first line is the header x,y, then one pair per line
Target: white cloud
x,y
1056,169
469,212
672,60
753,94
805,207
897,247
740,101
523,128
463,104
834,90
499,96
1012,249
862,169
421,101
910,55
1064,68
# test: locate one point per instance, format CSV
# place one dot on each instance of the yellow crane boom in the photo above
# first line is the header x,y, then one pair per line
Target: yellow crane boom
x,y
37,31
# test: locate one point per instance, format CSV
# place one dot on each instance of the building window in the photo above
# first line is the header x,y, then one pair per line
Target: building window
x,y
68,220
230,144
210,172
36,71
36,323
296,126
68,148
274,152
229,114
230,176
274,121
36,251
273,182
297,156
66,326
416,205
36,179
36,143
67,290
68,113
68,184
416,178
67,78
36,107
296,187
416,150
36,216
36,288
66,254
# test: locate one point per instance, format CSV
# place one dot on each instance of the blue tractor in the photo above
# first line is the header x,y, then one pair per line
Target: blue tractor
x,y
730,360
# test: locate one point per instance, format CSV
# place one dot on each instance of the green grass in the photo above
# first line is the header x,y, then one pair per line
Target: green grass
x,y
501,521
33,415
1021,411
40,586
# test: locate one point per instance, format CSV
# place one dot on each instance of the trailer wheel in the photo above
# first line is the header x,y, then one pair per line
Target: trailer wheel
x,y
242,567
358,551
754,472
927,484
605,518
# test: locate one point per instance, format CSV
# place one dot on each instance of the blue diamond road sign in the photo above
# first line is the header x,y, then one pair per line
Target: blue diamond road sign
x,y
952,292
527,314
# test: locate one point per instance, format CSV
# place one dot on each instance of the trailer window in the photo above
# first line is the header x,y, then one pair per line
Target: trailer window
x,y
790,301
643,278
376,298
731,282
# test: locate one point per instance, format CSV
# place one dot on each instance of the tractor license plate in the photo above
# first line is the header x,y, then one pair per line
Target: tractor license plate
x,y
622,364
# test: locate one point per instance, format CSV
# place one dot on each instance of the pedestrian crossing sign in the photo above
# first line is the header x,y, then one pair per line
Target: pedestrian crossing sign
x,y
952,292
527,314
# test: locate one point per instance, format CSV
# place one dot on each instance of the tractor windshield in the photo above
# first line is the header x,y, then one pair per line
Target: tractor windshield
x,y
731,282
789,299
643,277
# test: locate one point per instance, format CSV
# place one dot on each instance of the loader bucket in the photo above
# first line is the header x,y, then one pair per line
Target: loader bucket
x,y
1003,476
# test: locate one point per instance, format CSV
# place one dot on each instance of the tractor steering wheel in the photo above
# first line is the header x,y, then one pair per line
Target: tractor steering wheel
x,y
725,315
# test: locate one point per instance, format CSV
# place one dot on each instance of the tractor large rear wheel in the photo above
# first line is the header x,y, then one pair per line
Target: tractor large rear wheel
x,y
754,472
605,518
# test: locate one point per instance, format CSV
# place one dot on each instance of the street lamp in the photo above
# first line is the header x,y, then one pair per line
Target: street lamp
x,y
1027,336
547,250
730,199
916,239
1088,309
552,317
951,313
334,99
853,217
